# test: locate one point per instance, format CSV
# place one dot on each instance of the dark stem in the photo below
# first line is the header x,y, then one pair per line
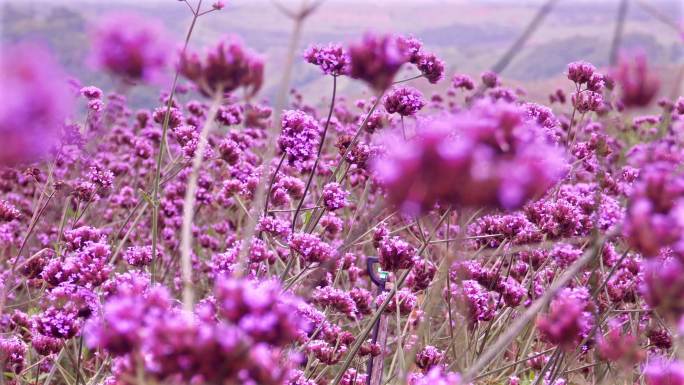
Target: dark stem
x,y
78,360
617,36
270,186
318,156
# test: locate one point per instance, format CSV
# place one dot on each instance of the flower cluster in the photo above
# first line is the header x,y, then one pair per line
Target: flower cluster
x,y
226,67
336,249
488,156
333,59
138,52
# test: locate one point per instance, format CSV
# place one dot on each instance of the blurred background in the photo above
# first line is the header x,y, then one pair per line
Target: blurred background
x,y
469,35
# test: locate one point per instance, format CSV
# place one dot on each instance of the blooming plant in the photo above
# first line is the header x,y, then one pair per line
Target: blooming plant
x,y
214,238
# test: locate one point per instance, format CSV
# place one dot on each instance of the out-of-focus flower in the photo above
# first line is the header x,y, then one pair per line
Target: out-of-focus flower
x,y
638,84
490,79
568,320
654,210
376,59
225,68
462,81
660,371
490,155
436,376
131,46
34,102
663,286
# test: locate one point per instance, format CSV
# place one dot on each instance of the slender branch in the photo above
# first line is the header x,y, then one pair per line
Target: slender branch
x,y
189,204
502,343
318,156
162,142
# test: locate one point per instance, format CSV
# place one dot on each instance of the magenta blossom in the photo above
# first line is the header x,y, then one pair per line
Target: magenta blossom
x,y
225,68
490,155
376,59
34,103
131,46
638,83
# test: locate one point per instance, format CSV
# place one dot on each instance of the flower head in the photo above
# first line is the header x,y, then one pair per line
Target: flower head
x,y
639,84
491,155
333,59
226,67
34,104
376,59
130,46
404,101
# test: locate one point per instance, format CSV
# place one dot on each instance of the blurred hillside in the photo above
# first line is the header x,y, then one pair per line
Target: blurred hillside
x,y
469,35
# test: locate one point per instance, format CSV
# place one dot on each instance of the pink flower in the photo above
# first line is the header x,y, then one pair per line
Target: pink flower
x,y
140,51
34,104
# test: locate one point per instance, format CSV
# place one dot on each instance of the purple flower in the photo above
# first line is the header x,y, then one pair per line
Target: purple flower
x,y
431,67
8,212
139,255
12,352
311,248
395,254
260,309
462,81
225,68
333,59
580,72
477,303
139,51
334,196
490,79
376,59
653,218
586,101
404,101
663,286
491,155
429,357
568,319
436,376
36,100
660,371
639,84
339,300
299,137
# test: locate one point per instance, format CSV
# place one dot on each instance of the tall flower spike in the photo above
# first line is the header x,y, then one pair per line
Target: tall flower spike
x,y
34,103
131,46
225,68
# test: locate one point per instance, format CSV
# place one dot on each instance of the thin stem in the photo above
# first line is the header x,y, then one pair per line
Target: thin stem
x,y
162,142
378,313
318,155
270,186
281,98
502,343
189,205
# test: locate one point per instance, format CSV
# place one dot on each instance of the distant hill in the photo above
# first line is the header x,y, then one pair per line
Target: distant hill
x,y
469,35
